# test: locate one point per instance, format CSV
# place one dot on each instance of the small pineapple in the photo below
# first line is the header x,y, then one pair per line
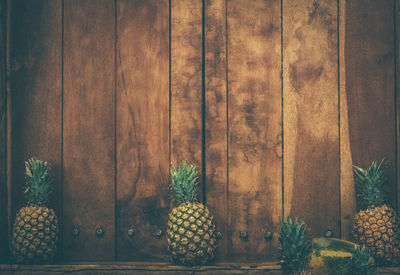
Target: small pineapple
x,y
296,247
376,225
191,228
361,263
35,230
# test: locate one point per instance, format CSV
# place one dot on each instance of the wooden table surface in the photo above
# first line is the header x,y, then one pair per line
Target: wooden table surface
x,y
153,268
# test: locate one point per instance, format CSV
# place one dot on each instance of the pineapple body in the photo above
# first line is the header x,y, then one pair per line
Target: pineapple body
x,y
377,228
191,234
34,235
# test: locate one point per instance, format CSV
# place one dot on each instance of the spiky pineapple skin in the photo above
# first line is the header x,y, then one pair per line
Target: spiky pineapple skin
x,y
34,235
191,234
377,228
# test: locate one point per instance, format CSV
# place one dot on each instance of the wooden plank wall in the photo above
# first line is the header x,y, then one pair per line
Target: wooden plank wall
x,y
216,138
273,110
370,85
310,113
186,82
347,191
254,127
89,129
36,88
3,134
142,128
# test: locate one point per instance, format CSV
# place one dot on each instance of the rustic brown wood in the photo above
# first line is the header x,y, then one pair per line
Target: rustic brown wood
x,y
155,268
388,270
216,119
347,192
142,128
243,132
310,106
370,85
144,268
397,95
255,127
186,82
36,92
89,128
3,135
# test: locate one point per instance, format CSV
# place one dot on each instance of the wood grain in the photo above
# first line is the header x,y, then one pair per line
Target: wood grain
x,y
370,85
347,191
36,92
254,127
89,128
216,119
310,114
397,95
142,128
186,82
155,268
3,135
144,268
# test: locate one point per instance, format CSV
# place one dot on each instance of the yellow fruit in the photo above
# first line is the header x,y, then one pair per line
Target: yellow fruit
x,y
38,243
377,228
191,241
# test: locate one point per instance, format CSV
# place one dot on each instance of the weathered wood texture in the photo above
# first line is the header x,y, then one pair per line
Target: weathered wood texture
x,y
397,95
133,103
89,128
35,85
310,113
254,127
155,268
216,119
144,268
370,85
347,192
3,134
186,82
142,128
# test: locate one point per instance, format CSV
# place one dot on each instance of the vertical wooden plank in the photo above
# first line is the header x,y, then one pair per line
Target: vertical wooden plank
x,y
254,127
89,129
3,135
370,85
397,94
347,191
186,82
36,92
310,106
142,128
216,119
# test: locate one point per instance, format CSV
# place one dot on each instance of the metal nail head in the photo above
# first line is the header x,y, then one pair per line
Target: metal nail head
x,y
75,231
99,232
328,233
158,233
268,236
131,232
243,235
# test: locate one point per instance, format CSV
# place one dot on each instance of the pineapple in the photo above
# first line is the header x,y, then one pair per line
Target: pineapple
x,y
296,247
35,230
191,228
376,225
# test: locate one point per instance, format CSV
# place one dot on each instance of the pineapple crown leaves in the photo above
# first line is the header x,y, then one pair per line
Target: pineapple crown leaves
x,y
39,185
184,183
296,247
370,184
361,263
